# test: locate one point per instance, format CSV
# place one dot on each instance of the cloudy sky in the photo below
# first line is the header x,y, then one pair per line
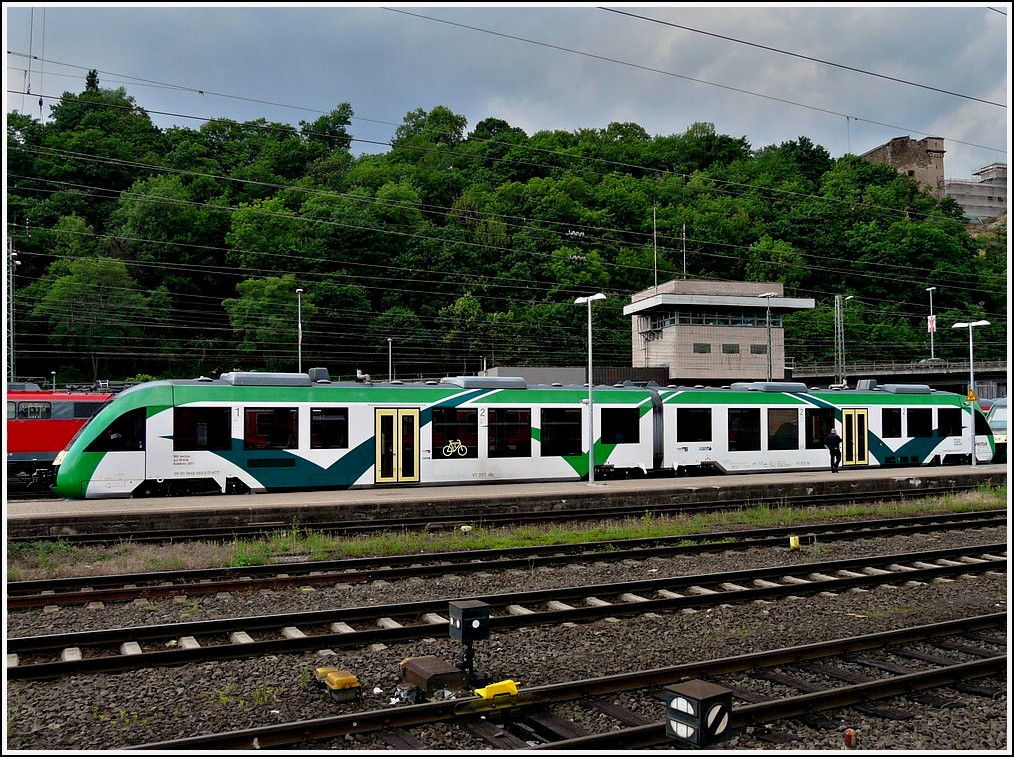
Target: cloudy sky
x,y
847,76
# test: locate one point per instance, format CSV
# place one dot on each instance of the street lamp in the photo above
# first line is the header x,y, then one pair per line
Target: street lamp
x,y
767,321
971,380
54,380
839,338
299,318
931,323
591,403
390,375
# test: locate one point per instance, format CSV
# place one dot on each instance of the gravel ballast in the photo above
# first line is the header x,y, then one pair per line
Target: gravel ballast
x,y
107,712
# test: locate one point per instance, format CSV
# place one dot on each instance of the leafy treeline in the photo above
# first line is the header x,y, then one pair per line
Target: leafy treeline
x,y
179,252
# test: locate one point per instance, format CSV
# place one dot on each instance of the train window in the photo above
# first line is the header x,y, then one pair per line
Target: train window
x,y
124,433
819,422
920,422
12,410
890,423
455,432
329,428
196,428
34,411
949,421
693,424
271,428
86,409
561,431
783,429
510,432
620,425
744,429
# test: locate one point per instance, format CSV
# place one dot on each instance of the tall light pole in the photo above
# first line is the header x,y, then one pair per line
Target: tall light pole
x,y
12,264
971,381
767,322
390,365
591,402
839,337
299,319
931,323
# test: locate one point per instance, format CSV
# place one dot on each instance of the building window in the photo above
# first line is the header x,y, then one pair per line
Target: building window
x,y
702,348
758,349
730,349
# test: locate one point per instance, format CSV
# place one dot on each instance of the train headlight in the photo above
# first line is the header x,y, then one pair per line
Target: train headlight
x,y
59,458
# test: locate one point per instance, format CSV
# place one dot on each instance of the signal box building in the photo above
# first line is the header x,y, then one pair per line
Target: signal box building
x,y
712,332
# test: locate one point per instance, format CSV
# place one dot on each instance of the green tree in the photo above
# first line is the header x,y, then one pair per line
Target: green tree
x,y
95,309
265,320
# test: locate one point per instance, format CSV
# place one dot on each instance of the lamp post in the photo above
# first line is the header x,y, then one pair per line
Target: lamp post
x,y
767,322
839,338
591,403
931,323
390,375
54,379
299,319
971,381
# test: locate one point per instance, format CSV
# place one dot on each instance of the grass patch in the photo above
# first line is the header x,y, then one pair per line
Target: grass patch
x,y
57,559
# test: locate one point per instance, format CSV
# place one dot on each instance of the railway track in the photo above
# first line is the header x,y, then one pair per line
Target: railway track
x,y
122,588
73,533
769,687
112,650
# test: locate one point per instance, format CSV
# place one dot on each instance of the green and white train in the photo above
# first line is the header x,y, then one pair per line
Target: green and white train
x,y
258,432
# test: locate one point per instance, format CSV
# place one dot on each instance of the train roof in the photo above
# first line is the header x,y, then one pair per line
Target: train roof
x,y
320,377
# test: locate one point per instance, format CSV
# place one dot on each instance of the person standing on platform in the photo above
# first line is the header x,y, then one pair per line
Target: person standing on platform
x,y
833,442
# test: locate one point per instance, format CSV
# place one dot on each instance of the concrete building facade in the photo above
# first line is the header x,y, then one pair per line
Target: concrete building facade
x,y
983,199
711,332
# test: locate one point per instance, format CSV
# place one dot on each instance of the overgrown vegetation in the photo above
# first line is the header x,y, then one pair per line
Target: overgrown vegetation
x,y
43,559
179,252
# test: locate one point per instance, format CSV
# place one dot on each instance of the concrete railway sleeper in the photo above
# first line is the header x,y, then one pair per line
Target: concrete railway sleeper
x,y
40,657
540,717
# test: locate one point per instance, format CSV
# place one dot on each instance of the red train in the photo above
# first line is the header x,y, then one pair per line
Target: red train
x,y
40,423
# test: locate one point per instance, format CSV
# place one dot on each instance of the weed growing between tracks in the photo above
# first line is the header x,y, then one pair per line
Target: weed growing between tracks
x,y
39,560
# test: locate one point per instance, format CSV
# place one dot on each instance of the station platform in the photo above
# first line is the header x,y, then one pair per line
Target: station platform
x,y
50,517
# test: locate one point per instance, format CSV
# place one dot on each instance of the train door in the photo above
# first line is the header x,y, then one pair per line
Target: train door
x,y
855,447
397,434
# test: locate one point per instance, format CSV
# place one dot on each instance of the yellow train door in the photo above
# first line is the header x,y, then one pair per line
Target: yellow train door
x,y
397,435
855,448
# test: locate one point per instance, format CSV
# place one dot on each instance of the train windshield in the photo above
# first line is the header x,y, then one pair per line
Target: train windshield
x,y
85,425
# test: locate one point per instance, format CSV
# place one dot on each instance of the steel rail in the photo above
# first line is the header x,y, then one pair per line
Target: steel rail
x,y
726,590
321,729
80,590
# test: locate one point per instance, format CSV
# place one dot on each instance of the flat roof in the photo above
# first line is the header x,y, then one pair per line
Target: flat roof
x,y
668,300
